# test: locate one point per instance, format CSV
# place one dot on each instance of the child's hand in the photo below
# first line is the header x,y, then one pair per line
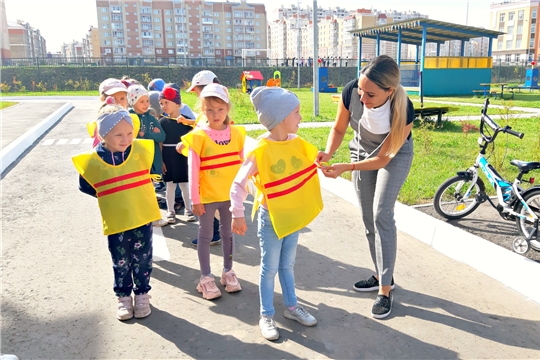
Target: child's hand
x,y
179,147
198,209
156,130
141,133
164,168
181,120
239,226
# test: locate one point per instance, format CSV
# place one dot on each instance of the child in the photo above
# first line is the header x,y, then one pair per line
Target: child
x,y
111,91
150,128
284,172
117,172
175,165
215,155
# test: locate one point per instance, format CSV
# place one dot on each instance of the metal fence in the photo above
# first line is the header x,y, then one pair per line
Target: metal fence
x,y
127,61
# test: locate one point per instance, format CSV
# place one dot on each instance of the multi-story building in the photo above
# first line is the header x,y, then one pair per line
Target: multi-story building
x,y
178,29
518,20
25,41
307,12
5,49
91,47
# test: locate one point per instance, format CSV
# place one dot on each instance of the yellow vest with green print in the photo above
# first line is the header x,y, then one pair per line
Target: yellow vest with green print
x,y
219,163
288,183
126,196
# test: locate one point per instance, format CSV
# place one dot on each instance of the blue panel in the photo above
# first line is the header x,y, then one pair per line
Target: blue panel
x,y
443,82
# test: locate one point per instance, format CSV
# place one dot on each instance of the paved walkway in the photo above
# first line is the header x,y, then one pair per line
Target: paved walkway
x,y
57,300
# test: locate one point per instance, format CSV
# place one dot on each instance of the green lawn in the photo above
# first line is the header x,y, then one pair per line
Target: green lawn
x,y
440,153
6,104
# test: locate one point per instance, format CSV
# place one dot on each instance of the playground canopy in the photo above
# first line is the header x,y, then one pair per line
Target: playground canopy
x,y
436,70
252,75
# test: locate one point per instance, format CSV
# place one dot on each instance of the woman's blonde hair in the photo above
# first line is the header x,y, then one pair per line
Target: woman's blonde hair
x,y
203,103
384,72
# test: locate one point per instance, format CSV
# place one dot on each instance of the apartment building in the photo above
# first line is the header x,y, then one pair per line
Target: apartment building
x,y
173,29
307,12
518,20
90,43
5,49
25,41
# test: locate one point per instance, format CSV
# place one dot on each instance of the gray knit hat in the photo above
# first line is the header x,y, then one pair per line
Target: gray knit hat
x,y
273,104
107,121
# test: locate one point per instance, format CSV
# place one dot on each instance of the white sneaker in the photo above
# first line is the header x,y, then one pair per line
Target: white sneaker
x,y
190,217
268,328
301,315
171,217
124,309
160,223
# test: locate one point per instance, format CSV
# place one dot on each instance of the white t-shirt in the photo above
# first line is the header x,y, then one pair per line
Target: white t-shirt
x,y
377,121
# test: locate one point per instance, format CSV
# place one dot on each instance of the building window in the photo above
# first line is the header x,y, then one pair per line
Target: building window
x,y
157,20
107,51
510,30
218,52
106,34
519,29
511,15
169,28
105,18
216,22
145,18
218,44
533,28
257,16
170,36
501,17
238,14
168,12
171,51
533,15
116,9
518,44
157,36
159,44
227,14
156,12
229,45
520,14
169,20
103,9
508,44
508,58
159,51
499,45
107,42
216,29
105,26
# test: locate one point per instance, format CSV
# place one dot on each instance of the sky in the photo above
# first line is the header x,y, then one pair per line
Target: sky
x,y
62,21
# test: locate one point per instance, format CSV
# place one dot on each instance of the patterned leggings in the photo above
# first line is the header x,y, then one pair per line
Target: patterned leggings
x,y
131,253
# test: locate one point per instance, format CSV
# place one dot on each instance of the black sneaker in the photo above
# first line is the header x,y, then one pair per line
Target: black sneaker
x,y
371,284
213,242
382,306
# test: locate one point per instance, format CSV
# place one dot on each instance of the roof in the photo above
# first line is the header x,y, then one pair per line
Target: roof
x,y
436,31
252,75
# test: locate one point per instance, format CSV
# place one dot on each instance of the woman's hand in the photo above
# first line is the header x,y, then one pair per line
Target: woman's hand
x,y
322,157
198,209
239,226
333,171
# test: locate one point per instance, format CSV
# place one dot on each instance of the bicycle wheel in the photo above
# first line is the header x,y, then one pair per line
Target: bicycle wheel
x,y
532,199
449,202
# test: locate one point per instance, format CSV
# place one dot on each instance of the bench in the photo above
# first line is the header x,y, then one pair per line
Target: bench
x,y
478,93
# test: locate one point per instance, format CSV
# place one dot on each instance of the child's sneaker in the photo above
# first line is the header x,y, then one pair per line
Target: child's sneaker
x,y
268,327
171,217
207,286
124,310
190,217
230,281
142,306
159,223
301,315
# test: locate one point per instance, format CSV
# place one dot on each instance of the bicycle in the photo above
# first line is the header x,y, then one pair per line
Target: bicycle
x,y
461,195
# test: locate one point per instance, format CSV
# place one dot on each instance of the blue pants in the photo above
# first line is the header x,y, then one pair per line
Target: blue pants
x,y
277,257
131,253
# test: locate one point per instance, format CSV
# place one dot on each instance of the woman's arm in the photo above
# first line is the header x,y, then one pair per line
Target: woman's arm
x,y
375,163
337,133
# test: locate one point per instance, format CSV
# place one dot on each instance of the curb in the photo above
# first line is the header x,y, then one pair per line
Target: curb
x,y
518,272
16,148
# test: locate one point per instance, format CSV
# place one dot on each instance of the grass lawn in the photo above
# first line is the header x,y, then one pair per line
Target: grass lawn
x,y
6,104
525,98
440,153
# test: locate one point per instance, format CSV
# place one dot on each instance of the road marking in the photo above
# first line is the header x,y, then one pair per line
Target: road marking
x,y
48,142
74,141
159,245
88,141
62,142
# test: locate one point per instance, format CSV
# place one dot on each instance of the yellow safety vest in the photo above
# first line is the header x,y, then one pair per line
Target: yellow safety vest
x,y
288,183
219,163
92,125
125,193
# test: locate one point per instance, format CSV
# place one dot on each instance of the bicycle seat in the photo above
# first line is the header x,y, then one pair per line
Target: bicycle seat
x,y
526,166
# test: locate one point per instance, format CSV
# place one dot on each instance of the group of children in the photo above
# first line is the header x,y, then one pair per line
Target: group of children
x,y
204,155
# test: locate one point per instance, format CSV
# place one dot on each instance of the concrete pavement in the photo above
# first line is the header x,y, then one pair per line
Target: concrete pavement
x,y
57,299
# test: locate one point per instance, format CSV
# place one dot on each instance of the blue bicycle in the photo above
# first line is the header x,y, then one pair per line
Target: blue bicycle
x,y
460,195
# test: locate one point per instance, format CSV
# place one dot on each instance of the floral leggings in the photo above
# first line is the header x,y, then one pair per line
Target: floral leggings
x,y
131,253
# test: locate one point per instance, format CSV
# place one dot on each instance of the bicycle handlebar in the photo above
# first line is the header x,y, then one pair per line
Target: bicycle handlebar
x,y
493,125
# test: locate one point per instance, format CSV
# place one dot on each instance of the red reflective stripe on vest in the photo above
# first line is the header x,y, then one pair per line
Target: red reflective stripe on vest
x,y
216,166
289,178
121,177
219,156
292,189
124,187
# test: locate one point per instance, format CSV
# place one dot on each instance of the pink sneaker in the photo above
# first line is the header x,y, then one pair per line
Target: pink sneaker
x,y
207,286
230,281
124,310
142,306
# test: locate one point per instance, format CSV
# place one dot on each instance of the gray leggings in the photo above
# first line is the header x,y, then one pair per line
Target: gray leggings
x,y
206,231
377,192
